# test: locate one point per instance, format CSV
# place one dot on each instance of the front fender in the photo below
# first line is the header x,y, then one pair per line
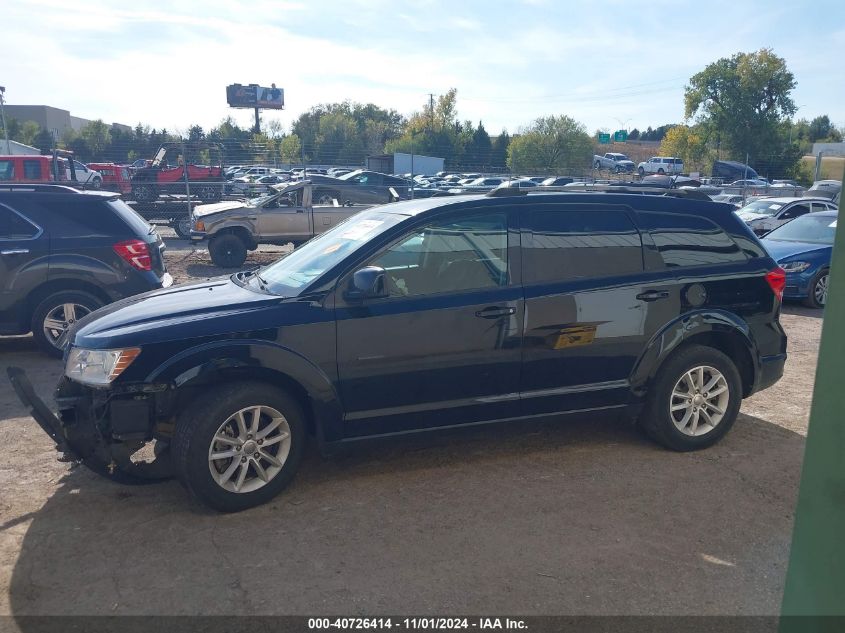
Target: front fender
x,y
682,329
210,359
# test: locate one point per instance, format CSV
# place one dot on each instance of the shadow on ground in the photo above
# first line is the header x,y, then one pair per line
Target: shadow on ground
x,y
566,516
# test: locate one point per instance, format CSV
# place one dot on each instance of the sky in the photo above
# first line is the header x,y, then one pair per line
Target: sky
x,y
610,65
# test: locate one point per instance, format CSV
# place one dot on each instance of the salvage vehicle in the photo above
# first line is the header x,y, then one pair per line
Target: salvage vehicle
x,y
414,316
64,253
115,177
161,178
358,187
285,215
615,162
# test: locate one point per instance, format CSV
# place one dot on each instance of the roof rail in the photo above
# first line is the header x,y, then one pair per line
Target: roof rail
x,y
38,187
636,188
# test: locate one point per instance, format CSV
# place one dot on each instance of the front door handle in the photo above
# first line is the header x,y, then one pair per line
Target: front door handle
x,y
494,312
15,251
653,295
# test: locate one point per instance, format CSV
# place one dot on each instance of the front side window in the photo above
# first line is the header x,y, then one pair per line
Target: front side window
x,y
459,254
564,245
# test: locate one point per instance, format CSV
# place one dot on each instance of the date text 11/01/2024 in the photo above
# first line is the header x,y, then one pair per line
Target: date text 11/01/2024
x,y
423,623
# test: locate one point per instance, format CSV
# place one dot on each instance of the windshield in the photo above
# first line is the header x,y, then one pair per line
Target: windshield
x,y
350,175
761,207
812,228
260,200
290,275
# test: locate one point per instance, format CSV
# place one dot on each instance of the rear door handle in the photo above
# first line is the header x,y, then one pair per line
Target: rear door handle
x,y
15,251
653,295
494,312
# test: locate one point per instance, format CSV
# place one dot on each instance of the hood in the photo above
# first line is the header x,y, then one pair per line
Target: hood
x,y
749,216
624,162
218,207
176,313
781,249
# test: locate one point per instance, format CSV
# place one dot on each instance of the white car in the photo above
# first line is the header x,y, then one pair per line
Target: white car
x,y
766,214
86,176
478,185
661,165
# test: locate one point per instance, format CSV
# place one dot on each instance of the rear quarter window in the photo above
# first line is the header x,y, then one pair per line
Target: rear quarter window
x,y
690,240
84,216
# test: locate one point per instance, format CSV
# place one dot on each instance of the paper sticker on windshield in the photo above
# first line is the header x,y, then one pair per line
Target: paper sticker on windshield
x,y
775,206
832,225
361,229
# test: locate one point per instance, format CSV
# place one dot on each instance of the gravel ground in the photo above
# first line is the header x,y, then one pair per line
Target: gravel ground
x,y
561,517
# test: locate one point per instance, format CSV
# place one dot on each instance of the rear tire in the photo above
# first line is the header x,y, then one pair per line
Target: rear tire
x,y
817,293
712,413
597,165
641,171
218,481
227,250
60,310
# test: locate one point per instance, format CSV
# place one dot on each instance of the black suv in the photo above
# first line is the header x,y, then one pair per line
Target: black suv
x,y
429,314
65,253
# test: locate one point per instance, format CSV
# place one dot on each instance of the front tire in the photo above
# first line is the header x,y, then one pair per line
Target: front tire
x,y
56,313
227,250
817,294
182,226
641,171
240,446
694,399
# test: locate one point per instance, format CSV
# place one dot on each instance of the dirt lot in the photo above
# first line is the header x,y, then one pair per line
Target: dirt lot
x,y
562,517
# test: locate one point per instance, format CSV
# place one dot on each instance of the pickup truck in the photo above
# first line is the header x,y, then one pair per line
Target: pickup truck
x,y
614,162
284,215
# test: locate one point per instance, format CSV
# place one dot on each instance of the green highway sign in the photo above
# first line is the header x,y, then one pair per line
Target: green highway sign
x,y
604,138
620,136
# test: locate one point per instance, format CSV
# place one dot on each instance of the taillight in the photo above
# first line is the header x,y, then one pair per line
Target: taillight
x,y
136,253
777,281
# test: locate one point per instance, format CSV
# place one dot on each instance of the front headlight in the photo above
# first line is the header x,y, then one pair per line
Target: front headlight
x,y
795,267
98,367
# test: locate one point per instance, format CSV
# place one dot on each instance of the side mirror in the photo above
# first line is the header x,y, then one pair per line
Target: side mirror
x,y
366,283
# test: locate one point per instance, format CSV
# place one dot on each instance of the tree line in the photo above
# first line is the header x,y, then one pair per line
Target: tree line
x,y
738,107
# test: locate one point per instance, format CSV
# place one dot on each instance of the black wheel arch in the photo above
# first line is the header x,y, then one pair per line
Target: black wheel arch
x,y
209,364
717,329
38,294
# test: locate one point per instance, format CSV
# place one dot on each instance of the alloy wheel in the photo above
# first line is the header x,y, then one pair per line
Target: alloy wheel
x,y
60,318
249,449
699,400
820,289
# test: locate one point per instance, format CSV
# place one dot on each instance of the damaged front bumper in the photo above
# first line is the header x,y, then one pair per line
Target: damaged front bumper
x,y
103,429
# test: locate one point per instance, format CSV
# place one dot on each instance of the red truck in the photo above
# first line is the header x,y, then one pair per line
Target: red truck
x,y
115,177
171,169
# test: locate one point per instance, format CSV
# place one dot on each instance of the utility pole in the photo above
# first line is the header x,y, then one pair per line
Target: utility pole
x,y
3,117
431,111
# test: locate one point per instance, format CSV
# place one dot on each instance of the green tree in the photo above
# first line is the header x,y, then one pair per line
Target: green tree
x,y
743,101
821,129
551,143
29,130
290,149
499,151
97,136
43,141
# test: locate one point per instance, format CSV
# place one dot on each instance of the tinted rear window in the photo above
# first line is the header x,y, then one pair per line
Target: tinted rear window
x,y
86,216
32,169
573,244
689,240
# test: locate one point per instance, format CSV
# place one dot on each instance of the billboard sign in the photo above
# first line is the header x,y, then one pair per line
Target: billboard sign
x,y
255,96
